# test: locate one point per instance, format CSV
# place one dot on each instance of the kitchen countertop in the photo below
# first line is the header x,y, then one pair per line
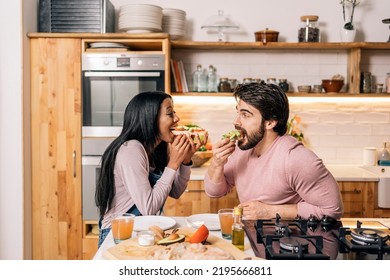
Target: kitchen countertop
x,y
340,172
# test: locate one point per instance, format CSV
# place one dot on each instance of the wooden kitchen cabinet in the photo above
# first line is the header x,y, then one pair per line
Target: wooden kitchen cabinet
x,y
358,199
56,148
195,201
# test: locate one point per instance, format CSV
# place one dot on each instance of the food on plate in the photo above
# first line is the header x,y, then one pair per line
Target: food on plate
x,y
172,238
159,232
188,251
232,135
191,130
200,235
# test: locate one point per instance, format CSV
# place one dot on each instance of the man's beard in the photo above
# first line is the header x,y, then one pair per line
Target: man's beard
x,y
253,139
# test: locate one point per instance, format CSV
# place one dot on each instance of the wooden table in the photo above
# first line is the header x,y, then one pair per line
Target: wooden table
x,y
180,222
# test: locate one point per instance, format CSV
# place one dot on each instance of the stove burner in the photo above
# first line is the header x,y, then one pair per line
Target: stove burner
x,y
367,236
294,245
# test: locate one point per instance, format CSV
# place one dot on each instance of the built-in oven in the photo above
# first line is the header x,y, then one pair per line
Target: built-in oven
x,y
110,80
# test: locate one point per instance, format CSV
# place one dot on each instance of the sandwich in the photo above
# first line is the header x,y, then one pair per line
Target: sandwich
x,y
191,130
232,135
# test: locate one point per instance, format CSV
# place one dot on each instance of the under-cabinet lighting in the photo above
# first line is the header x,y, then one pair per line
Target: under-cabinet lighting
x,y
343,99
226,100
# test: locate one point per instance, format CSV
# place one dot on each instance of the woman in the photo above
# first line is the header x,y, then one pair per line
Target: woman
x,y
146,163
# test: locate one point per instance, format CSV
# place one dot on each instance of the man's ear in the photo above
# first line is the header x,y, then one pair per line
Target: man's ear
x,y
270,124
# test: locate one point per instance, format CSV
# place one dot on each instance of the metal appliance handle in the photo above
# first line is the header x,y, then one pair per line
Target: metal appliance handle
x,y
122,74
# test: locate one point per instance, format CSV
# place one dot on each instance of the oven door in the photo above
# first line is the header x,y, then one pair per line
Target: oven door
x,y
106,95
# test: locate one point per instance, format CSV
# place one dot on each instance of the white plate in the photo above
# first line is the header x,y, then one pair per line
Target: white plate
x,y
106,45
211,221
144,222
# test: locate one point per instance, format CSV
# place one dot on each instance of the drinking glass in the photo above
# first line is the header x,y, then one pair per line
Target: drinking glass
x,y
226,222
122,227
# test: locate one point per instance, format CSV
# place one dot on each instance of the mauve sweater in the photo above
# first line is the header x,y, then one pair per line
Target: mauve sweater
x,y
132,184
287,173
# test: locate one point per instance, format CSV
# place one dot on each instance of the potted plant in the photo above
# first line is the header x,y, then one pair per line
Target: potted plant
x,y
293,128
348,31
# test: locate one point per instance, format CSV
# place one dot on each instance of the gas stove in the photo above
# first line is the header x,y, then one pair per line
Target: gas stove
x,y
320,239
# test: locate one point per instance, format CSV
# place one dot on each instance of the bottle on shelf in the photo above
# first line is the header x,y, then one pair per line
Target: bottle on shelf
x,y
238,233
199,80
384,156
283,84
212,79
388,83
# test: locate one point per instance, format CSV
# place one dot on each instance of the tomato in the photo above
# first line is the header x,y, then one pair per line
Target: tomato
x,y
209,146
200,235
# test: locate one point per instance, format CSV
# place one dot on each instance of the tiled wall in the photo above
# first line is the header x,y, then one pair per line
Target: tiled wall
x,y
336,129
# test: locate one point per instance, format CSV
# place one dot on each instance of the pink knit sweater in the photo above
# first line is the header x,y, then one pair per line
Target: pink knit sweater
x,y
286,173
132,185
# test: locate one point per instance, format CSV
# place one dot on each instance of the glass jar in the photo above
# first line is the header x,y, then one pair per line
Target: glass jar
x,y
247,80
309,29
233,83
224,85
271,81
365,82
388,83
283,85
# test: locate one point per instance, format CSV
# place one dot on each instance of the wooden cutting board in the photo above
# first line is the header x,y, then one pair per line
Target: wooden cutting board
x,y
130,250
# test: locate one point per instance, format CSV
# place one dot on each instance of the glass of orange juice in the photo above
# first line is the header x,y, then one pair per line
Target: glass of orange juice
x,y
122,227
226,222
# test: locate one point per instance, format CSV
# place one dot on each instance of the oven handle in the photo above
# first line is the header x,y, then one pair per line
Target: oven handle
x,y
122,74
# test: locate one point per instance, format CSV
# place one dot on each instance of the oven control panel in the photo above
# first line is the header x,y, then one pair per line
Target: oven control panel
x,y
122,62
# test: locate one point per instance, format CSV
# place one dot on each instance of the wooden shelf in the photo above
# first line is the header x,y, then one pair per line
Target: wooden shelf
x,y
199,45
290,94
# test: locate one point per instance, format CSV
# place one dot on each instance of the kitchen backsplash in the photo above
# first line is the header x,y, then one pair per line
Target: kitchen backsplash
x,y
336,130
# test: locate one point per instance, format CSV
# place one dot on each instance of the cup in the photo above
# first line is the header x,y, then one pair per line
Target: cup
x,y
226,222
369,156
122,227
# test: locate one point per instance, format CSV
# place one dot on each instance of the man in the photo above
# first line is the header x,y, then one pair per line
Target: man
x,y
272,172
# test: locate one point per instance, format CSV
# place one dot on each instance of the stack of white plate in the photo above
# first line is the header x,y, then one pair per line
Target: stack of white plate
x,y
173,23
140,18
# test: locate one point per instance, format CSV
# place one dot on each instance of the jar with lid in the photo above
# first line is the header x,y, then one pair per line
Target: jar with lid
x,y
283,85
247,80
233,83
224,85
309,29
271,81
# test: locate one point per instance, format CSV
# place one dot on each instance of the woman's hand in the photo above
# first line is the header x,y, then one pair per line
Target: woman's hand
x,y
180,151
